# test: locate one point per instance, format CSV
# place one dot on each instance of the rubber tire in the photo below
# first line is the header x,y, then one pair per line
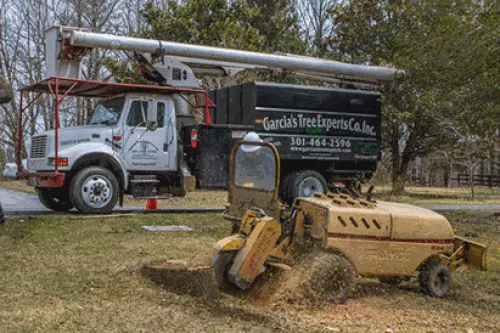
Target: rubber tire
x,y
2,216
54,201
222,263
435,279
330,278
75,190
292,181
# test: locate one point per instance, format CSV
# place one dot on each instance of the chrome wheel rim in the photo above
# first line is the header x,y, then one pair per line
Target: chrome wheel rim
x,y
97,191
310,185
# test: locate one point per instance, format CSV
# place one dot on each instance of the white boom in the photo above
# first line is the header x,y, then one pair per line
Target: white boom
x,y
229,60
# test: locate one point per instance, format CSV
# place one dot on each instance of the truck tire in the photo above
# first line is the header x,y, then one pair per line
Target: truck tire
x,y
222,263
302,184
94,190
435,279
56,200
330,278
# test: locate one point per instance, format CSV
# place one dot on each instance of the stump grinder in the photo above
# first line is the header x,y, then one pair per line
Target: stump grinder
x,y
348,236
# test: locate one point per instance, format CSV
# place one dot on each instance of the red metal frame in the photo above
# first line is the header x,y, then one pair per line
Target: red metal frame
x,y
89,88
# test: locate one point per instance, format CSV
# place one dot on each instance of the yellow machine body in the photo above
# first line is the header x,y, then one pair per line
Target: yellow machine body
x,y
383,238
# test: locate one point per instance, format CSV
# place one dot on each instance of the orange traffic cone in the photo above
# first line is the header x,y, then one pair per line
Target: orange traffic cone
x,y
152,204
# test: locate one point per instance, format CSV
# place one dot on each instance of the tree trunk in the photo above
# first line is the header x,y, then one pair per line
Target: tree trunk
x,y
396,158
447,172
471,180
5,91
401,176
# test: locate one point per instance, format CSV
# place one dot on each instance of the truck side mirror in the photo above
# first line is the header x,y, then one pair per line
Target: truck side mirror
x,y
151,117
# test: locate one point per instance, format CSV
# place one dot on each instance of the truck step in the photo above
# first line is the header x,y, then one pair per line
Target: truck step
x,y
144,181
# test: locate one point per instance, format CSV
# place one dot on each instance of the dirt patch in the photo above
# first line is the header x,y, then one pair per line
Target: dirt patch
x,y
183,277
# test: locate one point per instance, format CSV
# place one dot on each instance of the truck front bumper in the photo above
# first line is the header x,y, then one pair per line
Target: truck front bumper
x,y
48,179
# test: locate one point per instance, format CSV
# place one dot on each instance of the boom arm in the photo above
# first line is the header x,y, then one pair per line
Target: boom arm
x,y
211,59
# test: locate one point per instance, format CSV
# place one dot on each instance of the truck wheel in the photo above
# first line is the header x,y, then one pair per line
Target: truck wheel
x,y
94,190
330,278
222,263
56,200
303,184
435,279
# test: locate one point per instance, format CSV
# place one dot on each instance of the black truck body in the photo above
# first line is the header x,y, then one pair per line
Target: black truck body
x,y
335,132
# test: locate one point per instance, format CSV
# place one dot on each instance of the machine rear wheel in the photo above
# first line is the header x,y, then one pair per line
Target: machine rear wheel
x,y
222,263
330,278
56,200
435,279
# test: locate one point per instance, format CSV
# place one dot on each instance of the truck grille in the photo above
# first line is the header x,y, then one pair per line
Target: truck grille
x,y
38,146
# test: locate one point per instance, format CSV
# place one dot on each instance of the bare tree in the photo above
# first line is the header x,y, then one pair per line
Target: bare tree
x,y
22,61
315,18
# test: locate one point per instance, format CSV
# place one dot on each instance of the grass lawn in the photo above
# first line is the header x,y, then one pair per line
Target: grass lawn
x,y
59,273
431,196
422,196
17,185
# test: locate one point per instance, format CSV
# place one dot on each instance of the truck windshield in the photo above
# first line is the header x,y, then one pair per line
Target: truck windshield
x,y
255,167
107,112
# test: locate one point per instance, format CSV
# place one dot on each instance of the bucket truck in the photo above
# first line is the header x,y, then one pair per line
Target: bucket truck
x,y
143,140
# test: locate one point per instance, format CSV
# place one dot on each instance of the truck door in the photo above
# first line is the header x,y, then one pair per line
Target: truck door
x,y
149,148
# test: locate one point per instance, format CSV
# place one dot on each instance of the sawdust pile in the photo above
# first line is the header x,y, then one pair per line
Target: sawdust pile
x,y
183,277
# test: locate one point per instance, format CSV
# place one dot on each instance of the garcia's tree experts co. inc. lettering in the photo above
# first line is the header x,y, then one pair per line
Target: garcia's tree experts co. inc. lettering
x,y
302,121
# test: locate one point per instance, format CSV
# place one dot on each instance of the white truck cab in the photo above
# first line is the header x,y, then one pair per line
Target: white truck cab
x,y
127,136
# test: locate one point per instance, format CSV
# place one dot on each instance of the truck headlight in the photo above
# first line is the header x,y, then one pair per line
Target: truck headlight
x,y
62,161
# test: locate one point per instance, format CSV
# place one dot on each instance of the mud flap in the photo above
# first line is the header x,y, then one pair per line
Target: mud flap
x,y
474,254
256,250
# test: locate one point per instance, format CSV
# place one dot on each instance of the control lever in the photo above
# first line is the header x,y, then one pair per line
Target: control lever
x,y
369,193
